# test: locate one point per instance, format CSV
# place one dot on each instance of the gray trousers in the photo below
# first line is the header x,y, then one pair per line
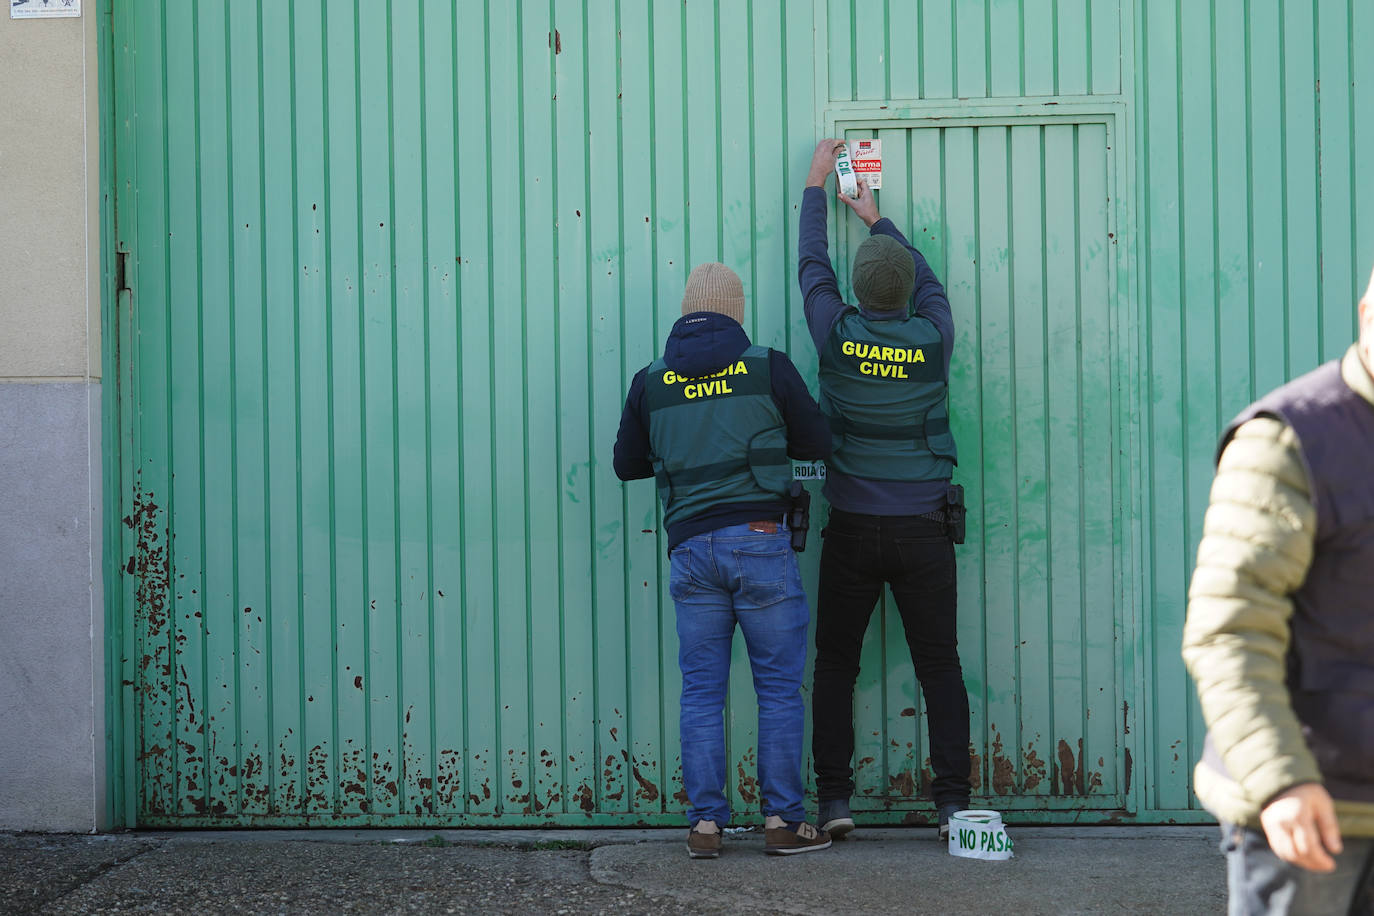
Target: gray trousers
x,y
1262,884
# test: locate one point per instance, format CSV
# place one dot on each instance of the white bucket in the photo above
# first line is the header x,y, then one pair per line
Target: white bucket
x,y
978,835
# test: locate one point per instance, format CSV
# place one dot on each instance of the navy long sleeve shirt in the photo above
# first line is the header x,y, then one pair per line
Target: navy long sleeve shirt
x,y
823,306
699,349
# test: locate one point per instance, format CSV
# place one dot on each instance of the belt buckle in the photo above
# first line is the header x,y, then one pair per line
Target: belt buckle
x,y
767,527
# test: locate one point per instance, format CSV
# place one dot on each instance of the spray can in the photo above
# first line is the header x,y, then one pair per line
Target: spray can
x,y
844,171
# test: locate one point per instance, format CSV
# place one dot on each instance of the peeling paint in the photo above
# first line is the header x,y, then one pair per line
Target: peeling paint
x,y
1003,770
1033,767
647,791
1066,768
748,785
1071,777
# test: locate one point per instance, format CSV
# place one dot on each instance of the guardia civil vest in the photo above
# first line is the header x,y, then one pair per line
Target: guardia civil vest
x,y
717,439
883,389
1331,656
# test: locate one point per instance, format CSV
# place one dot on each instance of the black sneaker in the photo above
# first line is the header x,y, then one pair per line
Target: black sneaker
x,y
834,818
794,837
946,812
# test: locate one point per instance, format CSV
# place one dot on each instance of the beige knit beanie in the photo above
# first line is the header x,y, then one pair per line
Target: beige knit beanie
x,y
714,288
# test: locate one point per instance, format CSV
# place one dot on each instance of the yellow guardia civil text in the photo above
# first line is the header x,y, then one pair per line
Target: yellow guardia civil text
x,y
706,385
882,362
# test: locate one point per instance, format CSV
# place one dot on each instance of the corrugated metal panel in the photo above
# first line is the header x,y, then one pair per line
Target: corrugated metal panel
x,y
1252,258
973,49
393,269
394,264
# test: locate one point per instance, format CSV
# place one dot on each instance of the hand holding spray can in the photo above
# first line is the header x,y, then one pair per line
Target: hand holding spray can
x,y
844,171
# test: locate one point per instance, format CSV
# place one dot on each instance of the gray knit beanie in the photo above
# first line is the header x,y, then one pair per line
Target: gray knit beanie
x,y
714,288
884,274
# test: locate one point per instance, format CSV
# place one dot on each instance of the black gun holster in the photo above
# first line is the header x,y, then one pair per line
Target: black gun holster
x,y
954,513
798,514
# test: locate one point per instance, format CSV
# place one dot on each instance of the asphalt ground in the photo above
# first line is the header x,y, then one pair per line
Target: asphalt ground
x,y
1059,870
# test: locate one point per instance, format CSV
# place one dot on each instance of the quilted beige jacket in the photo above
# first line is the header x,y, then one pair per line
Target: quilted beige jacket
x,y
1256,548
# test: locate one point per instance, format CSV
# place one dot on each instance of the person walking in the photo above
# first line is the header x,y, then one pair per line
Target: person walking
x,y
1279,638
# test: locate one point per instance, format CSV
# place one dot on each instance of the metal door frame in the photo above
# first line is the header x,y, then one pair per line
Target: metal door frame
x,y
1124,330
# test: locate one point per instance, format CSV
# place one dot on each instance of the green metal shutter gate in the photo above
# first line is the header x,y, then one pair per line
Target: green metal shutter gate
x,y
382,272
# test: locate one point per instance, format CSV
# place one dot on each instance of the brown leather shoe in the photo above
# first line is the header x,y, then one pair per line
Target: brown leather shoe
x,y
790,839
703,845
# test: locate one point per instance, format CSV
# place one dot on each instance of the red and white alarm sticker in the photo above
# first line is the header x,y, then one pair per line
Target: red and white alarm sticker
x,y
866,158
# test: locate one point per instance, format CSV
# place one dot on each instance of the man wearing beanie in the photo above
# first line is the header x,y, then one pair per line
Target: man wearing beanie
x,y
884,374
713,421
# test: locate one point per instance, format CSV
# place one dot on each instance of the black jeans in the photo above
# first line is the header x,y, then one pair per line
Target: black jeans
x,y
914,556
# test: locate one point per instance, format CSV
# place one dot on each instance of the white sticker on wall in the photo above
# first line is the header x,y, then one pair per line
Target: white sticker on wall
x,y
45,9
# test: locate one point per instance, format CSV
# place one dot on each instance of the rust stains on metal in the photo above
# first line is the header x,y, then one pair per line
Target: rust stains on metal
x,y
155,692
909,712
647,790
1071,776
1033,767
1066,768
612,774
902,783
863,763
1129,765
156,750
317,781
1125,718
447,778
1003,770
681,797
150,562
748,786
585,799
975,769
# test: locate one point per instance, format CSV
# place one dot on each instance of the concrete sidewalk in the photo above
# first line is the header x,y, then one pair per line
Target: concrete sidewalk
x,y
876,870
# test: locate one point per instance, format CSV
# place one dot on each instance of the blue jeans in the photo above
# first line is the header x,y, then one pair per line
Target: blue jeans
x,y
721,578
1260,882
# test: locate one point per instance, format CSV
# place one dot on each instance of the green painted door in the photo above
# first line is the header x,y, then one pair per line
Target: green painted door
x,y
1016,215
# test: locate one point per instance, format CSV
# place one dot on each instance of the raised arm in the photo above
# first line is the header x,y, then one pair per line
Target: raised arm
x,y
821,300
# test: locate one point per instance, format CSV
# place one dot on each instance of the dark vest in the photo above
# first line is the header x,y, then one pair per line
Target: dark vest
x,y
1331,657
883,390
718,439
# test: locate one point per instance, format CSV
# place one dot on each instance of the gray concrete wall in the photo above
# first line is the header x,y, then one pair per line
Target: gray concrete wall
x,y
52,673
